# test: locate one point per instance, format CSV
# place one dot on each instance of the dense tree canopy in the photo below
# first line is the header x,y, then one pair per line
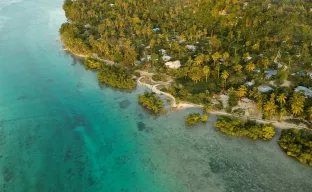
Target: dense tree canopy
x,y
298,144
151,102
221,44
115,76
195,118
238,127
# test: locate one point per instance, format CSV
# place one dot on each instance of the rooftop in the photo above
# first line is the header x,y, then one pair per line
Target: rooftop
x,y
265,88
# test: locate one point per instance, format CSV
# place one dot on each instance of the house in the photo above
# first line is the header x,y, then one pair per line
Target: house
x,y
301,73
250,83
222,12
191,48
157,29
148,58
306,91
265,88
181,41
270,73
162,51
173,65
166,58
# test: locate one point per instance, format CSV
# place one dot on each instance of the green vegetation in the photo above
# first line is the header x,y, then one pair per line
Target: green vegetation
x,y
159,77
116,77
195,118
152,102
297,144
248,128
93,64
220,44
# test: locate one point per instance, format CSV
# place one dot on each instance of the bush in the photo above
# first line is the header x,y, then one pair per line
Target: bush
x,y
159,77
195,118
116,77
137,74
152,102
248,128
233,99
92,64
298,144
219,106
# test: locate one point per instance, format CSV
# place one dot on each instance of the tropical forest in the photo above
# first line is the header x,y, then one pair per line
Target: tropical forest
x,y
249,59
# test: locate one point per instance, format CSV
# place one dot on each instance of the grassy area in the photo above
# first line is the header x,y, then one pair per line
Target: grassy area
x,y
199,87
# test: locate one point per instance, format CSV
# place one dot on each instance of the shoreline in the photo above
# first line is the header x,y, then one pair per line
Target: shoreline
x,y
186,105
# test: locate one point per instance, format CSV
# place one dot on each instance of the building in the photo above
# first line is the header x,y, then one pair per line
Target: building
x,y
173,65
306,91
265,88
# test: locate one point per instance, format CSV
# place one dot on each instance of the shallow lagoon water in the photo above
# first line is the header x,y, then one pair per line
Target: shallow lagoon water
x,y
61,131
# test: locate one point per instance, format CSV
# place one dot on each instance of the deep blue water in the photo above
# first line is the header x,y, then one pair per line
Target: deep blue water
x,y
61,131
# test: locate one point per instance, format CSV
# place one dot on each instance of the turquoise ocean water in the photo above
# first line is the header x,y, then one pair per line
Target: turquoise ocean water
x,y
62,132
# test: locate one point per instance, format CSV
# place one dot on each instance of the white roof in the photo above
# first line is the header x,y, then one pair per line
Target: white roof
x,y
162,51
265,88
270,73
307,92
249,58
250,83
148,58
191,47
174,64
166,57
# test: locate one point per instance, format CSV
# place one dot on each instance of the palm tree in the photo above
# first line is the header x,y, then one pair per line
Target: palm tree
x,y
265,63
195,74
250,67
199,60
225,75
208,108
297,103
270,108
242,91
281,99
206,71
226,57
215,57
255,94
206,58
282,112
238,68
310,113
